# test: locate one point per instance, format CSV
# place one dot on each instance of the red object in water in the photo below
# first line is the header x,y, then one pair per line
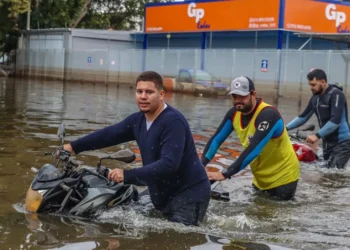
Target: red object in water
x,y
304,152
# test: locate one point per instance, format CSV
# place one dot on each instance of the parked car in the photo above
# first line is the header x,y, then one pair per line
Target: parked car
x,y
200,82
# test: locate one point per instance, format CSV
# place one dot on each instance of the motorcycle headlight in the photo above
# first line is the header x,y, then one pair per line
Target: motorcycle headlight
x,y
34,199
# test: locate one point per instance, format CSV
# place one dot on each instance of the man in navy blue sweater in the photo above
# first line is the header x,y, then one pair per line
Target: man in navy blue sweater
x,y
177,181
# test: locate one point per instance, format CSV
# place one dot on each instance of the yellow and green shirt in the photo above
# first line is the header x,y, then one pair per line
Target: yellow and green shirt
x,y
267,147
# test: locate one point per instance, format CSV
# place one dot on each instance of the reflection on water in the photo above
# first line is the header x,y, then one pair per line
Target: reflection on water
x,y
56,232
30,113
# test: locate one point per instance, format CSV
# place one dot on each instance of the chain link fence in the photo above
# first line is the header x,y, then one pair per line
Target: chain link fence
x,y
280,72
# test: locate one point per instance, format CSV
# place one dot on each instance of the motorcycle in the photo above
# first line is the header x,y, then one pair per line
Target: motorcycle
x,y
304,152
67,187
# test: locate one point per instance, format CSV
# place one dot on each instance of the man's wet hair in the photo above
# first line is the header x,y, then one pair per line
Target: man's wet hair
x,y
151,76
319,74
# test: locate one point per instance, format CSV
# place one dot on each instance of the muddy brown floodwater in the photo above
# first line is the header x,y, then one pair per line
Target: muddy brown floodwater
x,y
30,113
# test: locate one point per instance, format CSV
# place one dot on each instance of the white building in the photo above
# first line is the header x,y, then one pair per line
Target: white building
x,y
79,39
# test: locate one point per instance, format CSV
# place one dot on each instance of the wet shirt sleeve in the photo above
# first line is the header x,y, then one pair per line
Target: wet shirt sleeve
x,y
337,106
173,141
303,117
269,124
222,132
106,137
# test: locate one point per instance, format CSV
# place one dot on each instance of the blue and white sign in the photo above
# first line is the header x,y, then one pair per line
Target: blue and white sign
x,y
264,65
89,60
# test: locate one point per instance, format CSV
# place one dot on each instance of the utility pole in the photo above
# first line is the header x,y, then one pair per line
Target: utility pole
x,y
28,15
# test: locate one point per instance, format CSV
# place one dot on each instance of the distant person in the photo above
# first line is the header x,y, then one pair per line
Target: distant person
x,y
267,147
176,178
329,104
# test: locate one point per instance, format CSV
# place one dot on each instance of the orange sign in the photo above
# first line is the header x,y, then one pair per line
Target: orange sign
x,y
213,16
316,16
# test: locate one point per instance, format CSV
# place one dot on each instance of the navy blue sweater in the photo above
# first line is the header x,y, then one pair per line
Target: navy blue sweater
x,y
171,167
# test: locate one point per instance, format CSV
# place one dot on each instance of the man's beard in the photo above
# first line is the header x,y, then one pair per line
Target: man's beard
x,y
246,107
318,91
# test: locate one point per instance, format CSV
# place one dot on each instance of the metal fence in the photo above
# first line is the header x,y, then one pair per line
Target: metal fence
x,y
283,70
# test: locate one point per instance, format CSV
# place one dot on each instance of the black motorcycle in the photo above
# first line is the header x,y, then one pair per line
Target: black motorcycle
x,y
67,187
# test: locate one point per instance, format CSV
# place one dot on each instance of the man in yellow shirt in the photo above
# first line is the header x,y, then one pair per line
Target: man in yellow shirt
x,y
263,135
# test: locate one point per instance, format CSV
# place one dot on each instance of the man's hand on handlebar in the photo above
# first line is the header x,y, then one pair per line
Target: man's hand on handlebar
x,y
68,147
311,139
116,175
62,154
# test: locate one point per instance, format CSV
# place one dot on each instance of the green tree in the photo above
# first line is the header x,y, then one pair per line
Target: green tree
x,y
117,14
94,14
54,13
10,10
14,7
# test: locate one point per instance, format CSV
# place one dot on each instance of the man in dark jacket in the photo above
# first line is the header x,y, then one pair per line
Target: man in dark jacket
x,y
177,182
329,104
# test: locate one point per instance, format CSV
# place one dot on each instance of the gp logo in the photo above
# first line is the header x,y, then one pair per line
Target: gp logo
x,y
192,11
338,16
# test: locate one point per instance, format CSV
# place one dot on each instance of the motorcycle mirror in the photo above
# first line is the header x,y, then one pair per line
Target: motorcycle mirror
x,y
124,155
61,132
310,127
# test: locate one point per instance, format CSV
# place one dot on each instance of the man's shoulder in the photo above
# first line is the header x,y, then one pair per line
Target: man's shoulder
x,y
268,114
333,93
270,110
314,97
135,116
171,114
133,119
337,91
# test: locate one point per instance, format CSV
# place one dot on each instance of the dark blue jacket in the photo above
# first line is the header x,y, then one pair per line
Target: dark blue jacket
x,y
331,110
171,167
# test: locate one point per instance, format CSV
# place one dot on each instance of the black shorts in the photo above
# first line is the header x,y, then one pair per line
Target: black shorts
x,y
190,213
284,192
187,214
337,156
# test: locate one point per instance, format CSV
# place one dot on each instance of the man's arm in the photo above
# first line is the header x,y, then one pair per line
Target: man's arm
x,y
106,137
269,124
337,105
172,139
302,118
222,132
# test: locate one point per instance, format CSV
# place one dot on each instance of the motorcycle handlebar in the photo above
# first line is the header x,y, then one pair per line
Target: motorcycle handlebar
x,y
73,162
105,172
65,156
302,137
301,134
63,153
297,137
64,187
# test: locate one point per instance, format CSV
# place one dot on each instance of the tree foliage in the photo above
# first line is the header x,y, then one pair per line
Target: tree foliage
x,y
92,14
54,13
116,14
14,7
96,14
10,10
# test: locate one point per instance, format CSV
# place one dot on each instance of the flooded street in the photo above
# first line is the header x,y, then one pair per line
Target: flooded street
x,y
30,114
